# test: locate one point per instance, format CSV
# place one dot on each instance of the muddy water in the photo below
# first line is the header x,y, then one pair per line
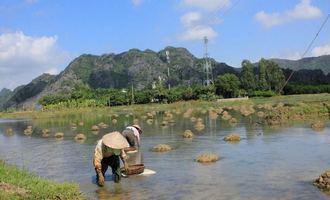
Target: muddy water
x,y
278,163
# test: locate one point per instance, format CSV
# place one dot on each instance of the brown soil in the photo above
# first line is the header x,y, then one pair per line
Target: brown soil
x,y
12,189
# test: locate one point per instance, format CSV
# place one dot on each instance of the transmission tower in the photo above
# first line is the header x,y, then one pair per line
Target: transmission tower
x,y
207,65
168,68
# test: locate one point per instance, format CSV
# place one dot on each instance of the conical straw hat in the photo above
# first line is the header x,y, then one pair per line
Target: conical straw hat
x,y
115,140
138,128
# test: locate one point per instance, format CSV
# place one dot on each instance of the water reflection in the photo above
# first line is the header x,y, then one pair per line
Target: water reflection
x,y
268,163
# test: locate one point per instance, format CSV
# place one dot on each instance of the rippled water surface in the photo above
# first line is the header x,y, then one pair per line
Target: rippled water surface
x,y
268,163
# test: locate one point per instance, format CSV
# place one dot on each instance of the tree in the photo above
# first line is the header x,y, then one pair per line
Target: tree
x,y
262,81
227,85
247,77
275,76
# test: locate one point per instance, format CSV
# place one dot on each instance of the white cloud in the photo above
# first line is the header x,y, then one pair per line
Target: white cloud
x,y
293,56
196,27
321,50
136,2
23,58
208,5
198,33
201,22
190,19
303,10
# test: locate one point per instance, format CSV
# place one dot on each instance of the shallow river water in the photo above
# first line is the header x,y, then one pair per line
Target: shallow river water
x,y
268,163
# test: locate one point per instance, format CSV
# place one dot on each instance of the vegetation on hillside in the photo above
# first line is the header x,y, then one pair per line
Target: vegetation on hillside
x,y
267,79
109,79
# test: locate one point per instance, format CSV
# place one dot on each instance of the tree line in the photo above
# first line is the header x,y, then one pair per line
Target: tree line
x,y
264,78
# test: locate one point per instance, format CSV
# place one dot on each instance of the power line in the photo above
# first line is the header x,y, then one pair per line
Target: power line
x,y
306,51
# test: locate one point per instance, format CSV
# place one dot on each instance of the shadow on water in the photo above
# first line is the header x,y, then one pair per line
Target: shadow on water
x,y
268,163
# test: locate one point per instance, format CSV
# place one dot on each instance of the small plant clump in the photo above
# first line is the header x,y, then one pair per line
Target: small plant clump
x,y
150,121
161,148
261,114
164,123
207,158
95,128
226,116
233,121
323,181
213,114
188,113
9,131
199,125
59,135
232,138
103,125
45,133
318,126
80,137
73,125
135,121
193,119
247,110
28,131
188,134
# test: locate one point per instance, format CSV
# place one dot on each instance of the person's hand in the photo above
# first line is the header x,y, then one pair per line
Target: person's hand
x,y
101,180
126,167
100,177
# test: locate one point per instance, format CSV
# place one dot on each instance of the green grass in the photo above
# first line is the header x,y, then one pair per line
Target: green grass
x,y
313,102
36,187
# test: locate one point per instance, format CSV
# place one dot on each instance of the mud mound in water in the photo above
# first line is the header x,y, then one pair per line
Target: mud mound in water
x,y
232,138
261,114
199,126
59,135
161,148
45,133
233,121
80,138
135,121
95,128
226,116
323,181
9,131
150,121
207,158
188,134
103,125
247,110
28,131
318,126
193,119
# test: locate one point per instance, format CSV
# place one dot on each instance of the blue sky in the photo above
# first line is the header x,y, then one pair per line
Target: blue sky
x,y
38,36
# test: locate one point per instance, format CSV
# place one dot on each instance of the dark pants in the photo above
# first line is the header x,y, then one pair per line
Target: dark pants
x,y
114,162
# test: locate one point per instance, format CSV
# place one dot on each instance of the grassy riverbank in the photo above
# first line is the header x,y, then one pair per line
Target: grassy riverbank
x,y
310,104
19,184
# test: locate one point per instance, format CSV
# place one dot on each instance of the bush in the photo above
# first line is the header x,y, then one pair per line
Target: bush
x,y
294,88
259,93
